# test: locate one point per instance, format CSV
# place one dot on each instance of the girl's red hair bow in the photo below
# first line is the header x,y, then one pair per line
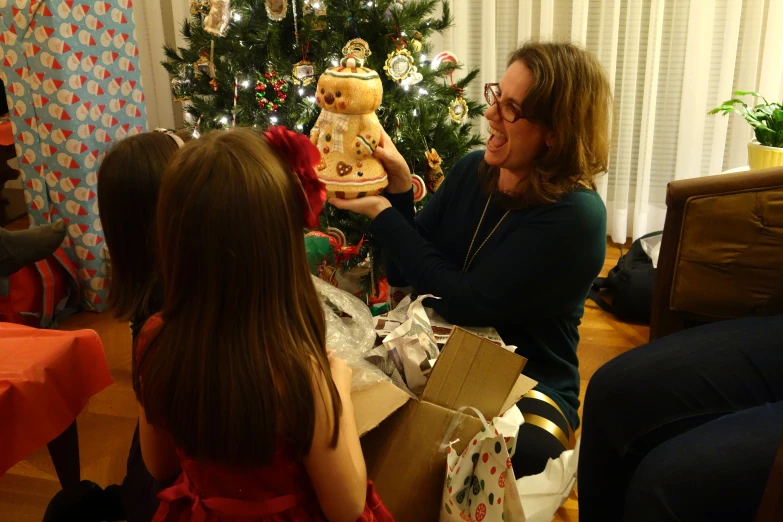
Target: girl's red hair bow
x,y
302,156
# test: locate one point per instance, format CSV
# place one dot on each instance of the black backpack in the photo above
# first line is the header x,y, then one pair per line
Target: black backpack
x,y
630,284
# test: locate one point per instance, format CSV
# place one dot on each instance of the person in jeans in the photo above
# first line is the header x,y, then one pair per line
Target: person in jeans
x,y
685,428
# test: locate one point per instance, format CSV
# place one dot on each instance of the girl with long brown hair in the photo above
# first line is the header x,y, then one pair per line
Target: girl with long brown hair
x,y
238,396
128,183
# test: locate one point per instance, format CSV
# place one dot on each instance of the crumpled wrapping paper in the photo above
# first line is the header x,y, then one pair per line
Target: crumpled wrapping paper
x,y
543,494
441,329
409,349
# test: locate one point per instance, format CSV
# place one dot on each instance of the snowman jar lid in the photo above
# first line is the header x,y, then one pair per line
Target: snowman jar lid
x,y
355,54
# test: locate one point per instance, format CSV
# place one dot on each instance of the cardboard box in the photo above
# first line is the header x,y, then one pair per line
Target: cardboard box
x,y
402,437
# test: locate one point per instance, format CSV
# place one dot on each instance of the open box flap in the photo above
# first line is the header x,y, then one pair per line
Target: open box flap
x,y
374,404
472,371
523,385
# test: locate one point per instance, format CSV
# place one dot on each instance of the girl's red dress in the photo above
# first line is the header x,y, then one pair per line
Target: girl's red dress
x,y
280,492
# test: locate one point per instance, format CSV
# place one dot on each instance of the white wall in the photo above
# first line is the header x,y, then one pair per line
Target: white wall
x,y
152,17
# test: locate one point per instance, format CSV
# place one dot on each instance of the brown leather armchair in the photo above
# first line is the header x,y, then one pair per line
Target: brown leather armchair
x,y
722,250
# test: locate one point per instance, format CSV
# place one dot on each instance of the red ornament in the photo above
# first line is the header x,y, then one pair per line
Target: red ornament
x,y
274,106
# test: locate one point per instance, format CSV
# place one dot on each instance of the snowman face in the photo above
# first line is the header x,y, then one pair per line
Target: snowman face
x,y
349,95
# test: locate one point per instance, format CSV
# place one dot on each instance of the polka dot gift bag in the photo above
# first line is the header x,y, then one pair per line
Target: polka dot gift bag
x,y
480,484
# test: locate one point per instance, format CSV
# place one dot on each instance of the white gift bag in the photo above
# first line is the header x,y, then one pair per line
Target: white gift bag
x,y
543,494
480,484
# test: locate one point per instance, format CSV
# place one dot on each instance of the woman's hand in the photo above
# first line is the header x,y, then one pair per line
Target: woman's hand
x,y
395,165
369,206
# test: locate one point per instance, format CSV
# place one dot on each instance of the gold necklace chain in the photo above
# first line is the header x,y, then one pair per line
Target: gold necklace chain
x,y
468,258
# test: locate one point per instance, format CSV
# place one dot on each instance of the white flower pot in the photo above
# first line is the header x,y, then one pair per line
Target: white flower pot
x,y
763,157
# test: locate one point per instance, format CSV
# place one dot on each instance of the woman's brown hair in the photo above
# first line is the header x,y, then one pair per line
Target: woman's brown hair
x,y
128,184
230,373
572,97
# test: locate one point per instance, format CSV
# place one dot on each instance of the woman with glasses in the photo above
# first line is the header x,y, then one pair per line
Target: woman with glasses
x,y
516,233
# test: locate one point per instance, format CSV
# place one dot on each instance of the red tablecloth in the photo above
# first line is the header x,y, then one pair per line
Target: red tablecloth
x,y
46,378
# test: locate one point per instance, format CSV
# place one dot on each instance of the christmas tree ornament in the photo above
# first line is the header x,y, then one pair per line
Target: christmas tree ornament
x,y
199,7
458,109
296,21
397,4
181,89
271,91
337,235
357,48
303,73
444,57
316,8
399,65
434,173
214,84
417,44
347,130
204,65
236,95
276,9
218,18
419,188
413,79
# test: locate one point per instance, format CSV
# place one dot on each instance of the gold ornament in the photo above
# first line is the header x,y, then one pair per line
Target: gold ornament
x,y
357,48
214,84
416,43
434,173
303,73
458,109
399,65
276,9
199,7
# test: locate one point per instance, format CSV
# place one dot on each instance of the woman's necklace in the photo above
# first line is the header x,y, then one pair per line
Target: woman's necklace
x,y
469,258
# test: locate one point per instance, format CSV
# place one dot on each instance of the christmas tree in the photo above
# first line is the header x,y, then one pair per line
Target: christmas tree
x,y
256,62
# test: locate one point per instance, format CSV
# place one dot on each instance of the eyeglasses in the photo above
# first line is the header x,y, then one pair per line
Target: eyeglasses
x,y
507,111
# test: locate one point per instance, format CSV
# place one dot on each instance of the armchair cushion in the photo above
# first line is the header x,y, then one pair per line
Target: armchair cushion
x,y
731,255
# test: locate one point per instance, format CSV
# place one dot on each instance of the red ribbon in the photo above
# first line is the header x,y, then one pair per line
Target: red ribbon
x,y
346,253
302,156
226,507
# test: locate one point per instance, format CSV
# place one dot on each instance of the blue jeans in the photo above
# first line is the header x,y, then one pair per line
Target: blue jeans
x,y
685,428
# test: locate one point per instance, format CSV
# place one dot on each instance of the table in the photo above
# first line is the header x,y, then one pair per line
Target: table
x,y
46,379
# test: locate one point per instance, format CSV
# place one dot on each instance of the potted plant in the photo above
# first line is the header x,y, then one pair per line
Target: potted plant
x,y
766,150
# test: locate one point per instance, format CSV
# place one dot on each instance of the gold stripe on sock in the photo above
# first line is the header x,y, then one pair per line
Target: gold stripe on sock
x,y
547,425
534,394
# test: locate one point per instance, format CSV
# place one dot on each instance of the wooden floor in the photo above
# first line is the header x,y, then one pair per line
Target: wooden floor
x,y
106,424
